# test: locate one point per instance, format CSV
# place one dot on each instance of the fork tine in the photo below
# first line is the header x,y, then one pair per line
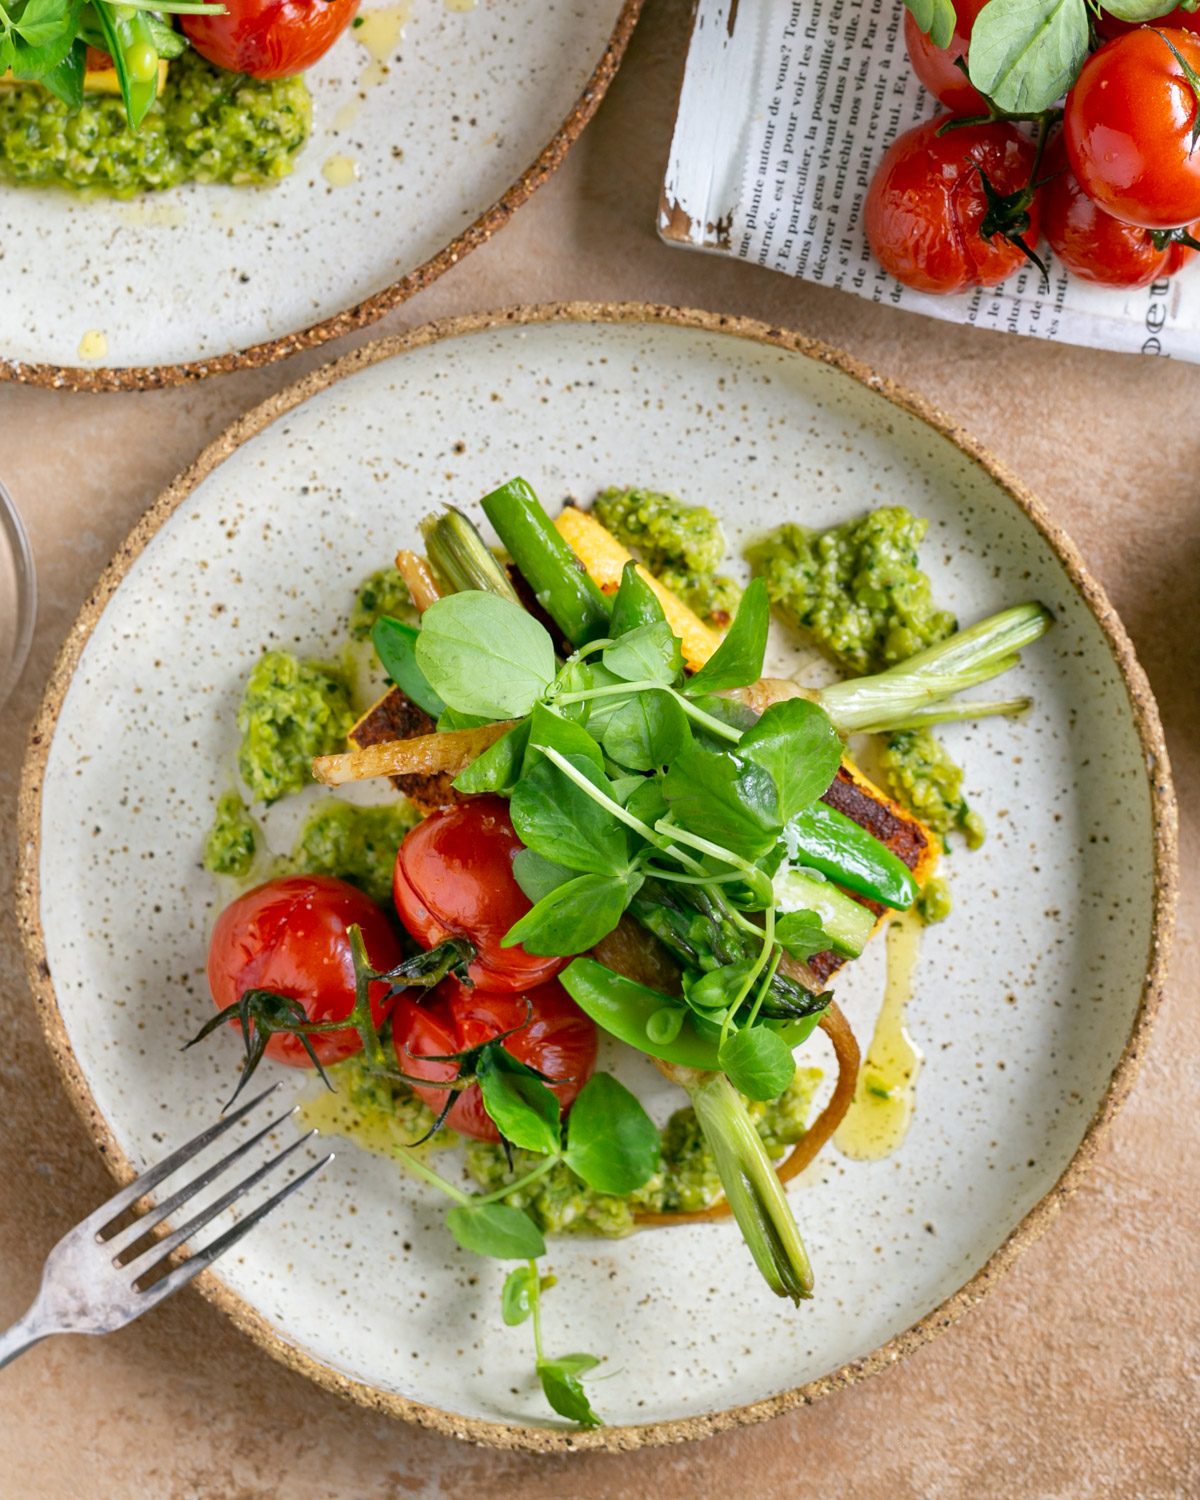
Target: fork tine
x,y
153,1255
124,1238
155,1174
202,1259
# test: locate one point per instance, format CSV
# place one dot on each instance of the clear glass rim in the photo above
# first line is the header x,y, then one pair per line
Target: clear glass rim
x,y
14,537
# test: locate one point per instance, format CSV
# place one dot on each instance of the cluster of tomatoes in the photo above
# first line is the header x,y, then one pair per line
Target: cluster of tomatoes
x,y
1116,193
453,878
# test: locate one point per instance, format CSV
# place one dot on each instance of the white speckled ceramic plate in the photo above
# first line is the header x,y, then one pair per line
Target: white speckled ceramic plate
x,y
1029,1001
475,107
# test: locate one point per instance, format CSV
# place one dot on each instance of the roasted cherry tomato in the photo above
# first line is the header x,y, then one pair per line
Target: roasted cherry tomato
x,y
555,1037
1091,243
926,203
1128,129
269,38
936,66
293,936
453,878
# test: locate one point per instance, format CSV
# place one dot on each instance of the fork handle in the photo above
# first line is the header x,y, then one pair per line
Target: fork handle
x,y
24,1333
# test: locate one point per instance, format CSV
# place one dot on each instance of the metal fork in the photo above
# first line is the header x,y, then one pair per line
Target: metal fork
x,y
92,1284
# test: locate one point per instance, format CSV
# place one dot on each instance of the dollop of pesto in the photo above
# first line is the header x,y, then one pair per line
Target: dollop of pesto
x,y
209,125
857,588
357,844
681,544
924,778
291,710
232,840
934,903
383,593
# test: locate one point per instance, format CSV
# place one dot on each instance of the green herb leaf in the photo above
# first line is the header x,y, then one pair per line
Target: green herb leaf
x,y
484,655
573,917
518,1295
499,1231
646,802
498,769
564,1390
521,1106
648,653
800,933
42,36
635,603
648,731
717,989
65,79
1138,11
548,728
560,821
612,1143
722,797
396,647
738,660
936,18
536,876
758,1062
797,744
1025,53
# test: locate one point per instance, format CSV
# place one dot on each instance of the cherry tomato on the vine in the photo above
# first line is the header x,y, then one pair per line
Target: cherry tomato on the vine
x,y
926,204
937,67
292,936
269,38
1128,128
554,1036
453,878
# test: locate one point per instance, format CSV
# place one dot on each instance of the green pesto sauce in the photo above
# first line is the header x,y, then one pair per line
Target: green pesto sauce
x,y
357,844
681,544
208,126
858,588
232,840
687,1179
383,593
924,778
934,903
290,711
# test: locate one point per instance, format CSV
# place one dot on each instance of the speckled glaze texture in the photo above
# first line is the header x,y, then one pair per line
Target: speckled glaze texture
x,y
478,106
1031,1001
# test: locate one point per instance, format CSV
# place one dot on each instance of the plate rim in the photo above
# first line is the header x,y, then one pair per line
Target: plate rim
x,y
110,378
1034,1223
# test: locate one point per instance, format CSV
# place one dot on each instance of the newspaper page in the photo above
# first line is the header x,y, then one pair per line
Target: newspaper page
x,y
787,107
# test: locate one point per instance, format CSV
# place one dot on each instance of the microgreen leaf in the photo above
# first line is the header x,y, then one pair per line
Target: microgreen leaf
x,y
1137,11
801,934
648,653
1025,53
497,1230
396,647
484,655
635,603
564,1390
521,1106
536,876
936,18
724,798
647,731
560,821
573,917
612,1143
717,989
738,660
647,802
517,1297
795,742
568,737
758,1062
498,769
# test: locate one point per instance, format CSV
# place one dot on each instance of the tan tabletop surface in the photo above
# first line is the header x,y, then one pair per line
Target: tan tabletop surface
x,y
1078,1377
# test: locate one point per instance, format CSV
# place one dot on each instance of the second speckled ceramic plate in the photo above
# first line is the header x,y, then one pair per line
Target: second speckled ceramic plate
x,y
421,147
1030,1001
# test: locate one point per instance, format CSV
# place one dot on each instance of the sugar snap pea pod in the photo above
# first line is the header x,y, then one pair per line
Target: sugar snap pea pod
x,y
551,569
826,840
130,41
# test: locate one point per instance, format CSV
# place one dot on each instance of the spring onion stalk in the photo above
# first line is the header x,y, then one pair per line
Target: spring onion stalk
x,y
755,1195
912,694
460,557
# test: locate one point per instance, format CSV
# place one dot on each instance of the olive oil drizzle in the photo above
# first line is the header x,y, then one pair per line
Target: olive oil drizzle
x,y
882,1109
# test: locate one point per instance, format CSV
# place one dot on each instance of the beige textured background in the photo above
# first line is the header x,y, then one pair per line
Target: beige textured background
x,y
1079,1376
